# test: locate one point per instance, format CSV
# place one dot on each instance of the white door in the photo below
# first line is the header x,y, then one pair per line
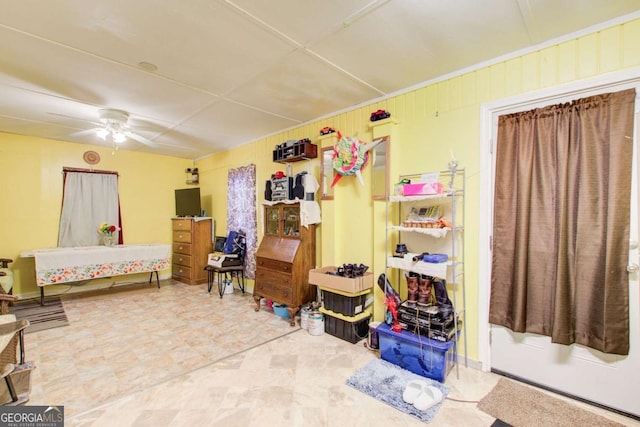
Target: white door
x,y
609,380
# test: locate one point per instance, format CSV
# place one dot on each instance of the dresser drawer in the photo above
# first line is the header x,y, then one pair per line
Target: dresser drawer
x,y
182,236
182,224
182,248
272,264
182,259
181,271
273,277
275,292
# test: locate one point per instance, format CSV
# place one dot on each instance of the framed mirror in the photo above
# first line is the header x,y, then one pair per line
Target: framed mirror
x,y
327,174
380,170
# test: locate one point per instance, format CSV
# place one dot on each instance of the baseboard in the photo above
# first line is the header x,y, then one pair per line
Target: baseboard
x,y
473,364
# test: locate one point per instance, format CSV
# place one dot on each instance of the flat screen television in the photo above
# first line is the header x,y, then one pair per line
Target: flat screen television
x,y
188,202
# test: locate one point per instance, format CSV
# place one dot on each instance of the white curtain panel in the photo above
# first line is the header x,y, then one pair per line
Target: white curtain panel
x,y
89,200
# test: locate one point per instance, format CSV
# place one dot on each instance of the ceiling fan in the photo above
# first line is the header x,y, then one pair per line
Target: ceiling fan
x,y
115,124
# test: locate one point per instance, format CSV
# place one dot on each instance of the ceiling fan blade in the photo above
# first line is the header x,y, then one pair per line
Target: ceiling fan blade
x,y
76,118
141,139
85,132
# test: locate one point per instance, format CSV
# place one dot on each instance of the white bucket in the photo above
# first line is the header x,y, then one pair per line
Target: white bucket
x,y
304,317
228,286
316,323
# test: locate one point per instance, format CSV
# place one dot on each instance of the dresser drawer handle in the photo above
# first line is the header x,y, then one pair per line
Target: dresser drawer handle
x,y
179,236
180,247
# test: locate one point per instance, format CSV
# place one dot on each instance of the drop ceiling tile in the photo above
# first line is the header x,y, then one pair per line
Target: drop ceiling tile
x,y
548,19
304,21
206,45
226,124
73,76
303,88
403,43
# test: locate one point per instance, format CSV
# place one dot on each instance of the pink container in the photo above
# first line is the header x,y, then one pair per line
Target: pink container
x,y
422,188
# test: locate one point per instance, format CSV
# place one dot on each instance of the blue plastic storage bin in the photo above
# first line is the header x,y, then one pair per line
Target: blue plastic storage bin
x,y
418,354
435,258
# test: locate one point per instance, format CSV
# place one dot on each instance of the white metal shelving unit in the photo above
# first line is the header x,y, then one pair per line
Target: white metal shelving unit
x,y
449,240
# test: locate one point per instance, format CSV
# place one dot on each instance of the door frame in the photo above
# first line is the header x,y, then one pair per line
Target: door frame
x,y
489,112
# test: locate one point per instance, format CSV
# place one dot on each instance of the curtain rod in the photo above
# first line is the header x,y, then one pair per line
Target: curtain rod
x,y
66,169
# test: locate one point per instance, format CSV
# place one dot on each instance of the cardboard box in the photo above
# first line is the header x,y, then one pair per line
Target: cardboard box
x,y
320,277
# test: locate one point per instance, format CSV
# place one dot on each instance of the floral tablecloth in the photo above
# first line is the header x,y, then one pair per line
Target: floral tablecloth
x,y
63,265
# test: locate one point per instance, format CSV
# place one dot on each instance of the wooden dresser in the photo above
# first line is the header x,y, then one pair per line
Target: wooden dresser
x,y
283,260
191,247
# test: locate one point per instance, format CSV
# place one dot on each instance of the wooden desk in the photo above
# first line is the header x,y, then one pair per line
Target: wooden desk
x,y
55,266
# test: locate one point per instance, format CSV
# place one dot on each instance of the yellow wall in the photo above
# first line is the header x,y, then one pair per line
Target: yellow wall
x,y
433,121
31,199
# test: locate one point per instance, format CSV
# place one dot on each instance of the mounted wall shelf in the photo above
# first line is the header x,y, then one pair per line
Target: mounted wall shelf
x,y
193,177
294,151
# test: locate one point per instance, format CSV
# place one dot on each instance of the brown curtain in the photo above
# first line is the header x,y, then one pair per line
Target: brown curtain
x,y
561,222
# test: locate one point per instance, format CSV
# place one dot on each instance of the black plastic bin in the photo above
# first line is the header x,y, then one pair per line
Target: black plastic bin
x,y
349,328
347,304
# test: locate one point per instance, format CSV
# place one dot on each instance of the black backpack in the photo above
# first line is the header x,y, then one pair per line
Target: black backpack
x,y
442,297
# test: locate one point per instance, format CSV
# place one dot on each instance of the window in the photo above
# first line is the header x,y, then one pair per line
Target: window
x,y
89,199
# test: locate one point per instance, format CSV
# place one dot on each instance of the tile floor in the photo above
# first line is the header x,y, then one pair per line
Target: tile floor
x,y
176,356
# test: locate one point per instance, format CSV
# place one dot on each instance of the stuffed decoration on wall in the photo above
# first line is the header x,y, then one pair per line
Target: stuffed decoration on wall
x,y
350,156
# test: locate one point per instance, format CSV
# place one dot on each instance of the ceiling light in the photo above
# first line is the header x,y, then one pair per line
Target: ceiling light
x,y
114,124
119,137
102,133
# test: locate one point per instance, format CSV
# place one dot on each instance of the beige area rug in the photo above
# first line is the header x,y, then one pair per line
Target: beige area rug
x,y
129,338
524,406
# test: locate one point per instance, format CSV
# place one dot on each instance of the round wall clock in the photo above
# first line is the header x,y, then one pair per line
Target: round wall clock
x,y
91,157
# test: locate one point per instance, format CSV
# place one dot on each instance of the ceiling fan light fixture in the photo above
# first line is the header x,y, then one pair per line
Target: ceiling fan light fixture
x,y
119,136
115,127
115,124
102,133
